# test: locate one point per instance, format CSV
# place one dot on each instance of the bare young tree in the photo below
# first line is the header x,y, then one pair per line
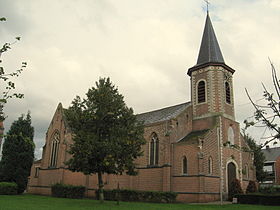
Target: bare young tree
x,y
268,114
6,78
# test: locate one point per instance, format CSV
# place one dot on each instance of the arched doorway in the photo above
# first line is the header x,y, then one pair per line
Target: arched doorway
x,y
231,173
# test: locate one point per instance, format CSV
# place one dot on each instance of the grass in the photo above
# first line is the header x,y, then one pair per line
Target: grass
x,y
36,202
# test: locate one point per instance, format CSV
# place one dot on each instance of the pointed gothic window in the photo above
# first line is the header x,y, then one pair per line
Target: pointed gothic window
x,y
201,94
154,150
185,165
227,88
54,149
210,165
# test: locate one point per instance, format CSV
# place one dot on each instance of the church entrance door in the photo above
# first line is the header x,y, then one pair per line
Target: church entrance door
x,y
231,173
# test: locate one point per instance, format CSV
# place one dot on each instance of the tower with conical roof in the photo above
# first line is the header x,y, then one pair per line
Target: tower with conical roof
x,y
211,79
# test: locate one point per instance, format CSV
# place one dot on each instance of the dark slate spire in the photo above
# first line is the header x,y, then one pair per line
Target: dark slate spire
x,y
209,48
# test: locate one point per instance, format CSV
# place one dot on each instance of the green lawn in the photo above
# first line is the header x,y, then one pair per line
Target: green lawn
x,y
35,202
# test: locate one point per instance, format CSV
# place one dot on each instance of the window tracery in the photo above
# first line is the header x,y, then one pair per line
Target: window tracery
x,y
54,149
154,149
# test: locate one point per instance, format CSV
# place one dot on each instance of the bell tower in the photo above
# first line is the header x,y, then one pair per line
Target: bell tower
x,y
211,79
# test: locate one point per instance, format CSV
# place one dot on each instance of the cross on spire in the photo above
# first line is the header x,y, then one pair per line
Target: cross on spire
x,y
207,5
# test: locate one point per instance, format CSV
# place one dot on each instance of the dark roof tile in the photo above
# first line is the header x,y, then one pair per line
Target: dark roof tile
x,y
193,134
271,154
209,48
162,114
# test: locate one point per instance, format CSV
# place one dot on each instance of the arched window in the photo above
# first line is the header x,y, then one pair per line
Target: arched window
x,y
54,149
230,135
227,88
154,149
210,165
185,165
201,94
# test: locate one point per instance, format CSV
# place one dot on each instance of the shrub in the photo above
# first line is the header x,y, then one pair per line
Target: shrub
x,y
137,195
8,188
235,188
252,187
68,191
272,189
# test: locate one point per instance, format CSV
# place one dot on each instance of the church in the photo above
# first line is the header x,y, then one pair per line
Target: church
x,y
194,148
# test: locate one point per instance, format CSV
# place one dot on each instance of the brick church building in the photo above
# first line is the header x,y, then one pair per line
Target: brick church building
x,y
194,148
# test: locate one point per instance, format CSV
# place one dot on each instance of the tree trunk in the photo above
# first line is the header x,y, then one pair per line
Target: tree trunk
x,y
100,187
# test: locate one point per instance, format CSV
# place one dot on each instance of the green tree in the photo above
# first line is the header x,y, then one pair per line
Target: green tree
x,y
6,77
107,136
259,157
18,153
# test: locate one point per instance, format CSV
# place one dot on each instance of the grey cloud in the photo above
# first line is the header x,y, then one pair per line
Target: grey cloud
x,y
145,47
17,22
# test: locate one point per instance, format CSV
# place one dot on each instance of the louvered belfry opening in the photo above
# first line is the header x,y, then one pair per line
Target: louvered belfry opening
x,y
227,93
201,92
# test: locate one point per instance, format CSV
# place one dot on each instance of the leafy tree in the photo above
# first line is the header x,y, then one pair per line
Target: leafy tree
x,y
268,114
18,153
259,157
5,78
107,137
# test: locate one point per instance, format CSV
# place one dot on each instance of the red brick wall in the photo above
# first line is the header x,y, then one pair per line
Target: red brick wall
x,y
57,124
168,175
212,184
190,150
210,149
277,168
185,184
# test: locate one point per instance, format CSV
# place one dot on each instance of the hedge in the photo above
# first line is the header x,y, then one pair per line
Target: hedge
x,y
137,195
8,188
260,199
68,191
270,189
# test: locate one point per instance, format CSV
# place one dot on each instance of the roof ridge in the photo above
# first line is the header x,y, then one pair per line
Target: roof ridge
x,y
164,108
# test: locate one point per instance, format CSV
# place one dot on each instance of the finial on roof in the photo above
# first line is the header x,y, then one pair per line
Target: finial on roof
x,y
209,52
207,5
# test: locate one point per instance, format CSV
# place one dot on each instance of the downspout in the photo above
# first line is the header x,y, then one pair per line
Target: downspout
x,y
220,160
171,153
171,168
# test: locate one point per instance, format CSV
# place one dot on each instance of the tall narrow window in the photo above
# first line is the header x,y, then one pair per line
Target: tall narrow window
x,y
210,165
201,94
154,150
230,135
246,171
37,172
54,149
185,165
227,87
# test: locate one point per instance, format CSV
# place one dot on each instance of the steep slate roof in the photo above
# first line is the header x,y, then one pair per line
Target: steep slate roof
x,y
271,154
153,116
209,48
162,114
193,134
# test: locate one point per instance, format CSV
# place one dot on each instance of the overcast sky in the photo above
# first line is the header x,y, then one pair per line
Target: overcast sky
x,y
144,46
